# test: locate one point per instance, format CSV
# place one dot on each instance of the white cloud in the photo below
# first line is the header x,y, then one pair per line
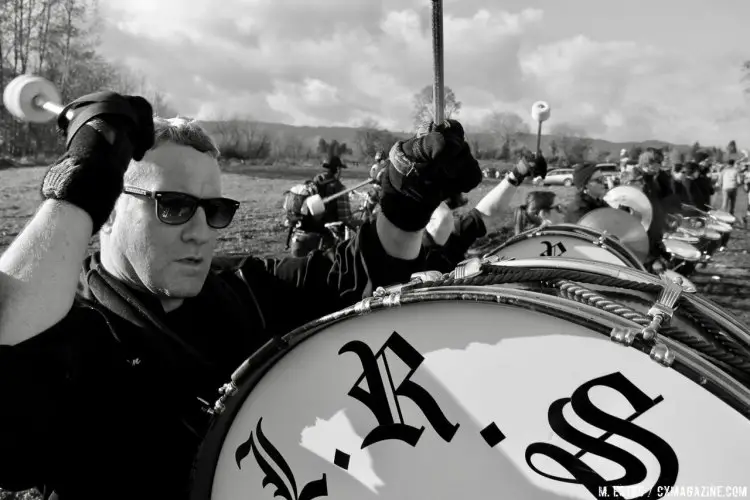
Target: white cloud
x,y
337,62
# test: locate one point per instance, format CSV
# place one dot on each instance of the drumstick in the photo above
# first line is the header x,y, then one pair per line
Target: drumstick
x,y
539,140
438,95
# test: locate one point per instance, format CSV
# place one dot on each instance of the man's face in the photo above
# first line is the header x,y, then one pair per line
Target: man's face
x,y
167,260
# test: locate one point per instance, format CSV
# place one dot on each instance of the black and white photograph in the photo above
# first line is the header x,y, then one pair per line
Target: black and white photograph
x,y
374,249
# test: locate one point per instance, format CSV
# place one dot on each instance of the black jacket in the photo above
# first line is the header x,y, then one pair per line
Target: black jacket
x,y
105,404
468,227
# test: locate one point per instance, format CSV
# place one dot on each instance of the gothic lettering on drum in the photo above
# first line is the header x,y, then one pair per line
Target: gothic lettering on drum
x,y
553,250
376,399
287,490
634,469
278,473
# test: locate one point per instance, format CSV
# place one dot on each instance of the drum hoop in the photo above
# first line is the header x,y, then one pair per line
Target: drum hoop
x,y
687,363
610,244
678,243
731,326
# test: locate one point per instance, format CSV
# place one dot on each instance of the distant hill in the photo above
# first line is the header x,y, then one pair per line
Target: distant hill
x,y
311,135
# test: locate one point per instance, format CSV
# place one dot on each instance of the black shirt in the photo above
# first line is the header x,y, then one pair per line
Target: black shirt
x,y
106,404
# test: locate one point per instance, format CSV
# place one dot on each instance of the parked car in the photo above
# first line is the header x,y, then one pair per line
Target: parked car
x,y
559,177
611,173
608,168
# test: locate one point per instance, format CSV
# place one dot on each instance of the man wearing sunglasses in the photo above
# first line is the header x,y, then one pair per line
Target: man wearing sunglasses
x,y
106,370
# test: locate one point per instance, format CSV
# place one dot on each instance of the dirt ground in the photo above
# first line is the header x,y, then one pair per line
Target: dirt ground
x,y
257,228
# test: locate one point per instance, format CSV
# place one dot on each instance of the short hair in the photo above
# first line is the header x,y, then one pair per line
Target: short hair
x,y
677,168
536,201
181,131
730,162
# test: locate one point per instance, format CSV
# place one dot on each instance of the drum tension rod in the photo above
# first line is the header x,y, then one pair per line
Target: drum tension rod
x,y
661,314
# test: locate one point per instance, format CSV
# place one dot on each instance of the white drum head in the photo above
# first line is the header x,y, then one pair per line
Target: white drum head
x,y
682,250
561,243
486,414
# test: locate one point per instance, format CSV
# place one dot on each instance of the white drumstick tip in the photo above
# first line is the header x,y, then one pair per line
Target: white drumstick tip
x,y
540,111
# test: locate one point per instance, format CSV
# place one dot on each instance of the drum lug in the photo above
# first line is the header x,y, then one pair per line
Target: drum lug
x,y
662,355
624,336
468,269
662,311
425,277
226,391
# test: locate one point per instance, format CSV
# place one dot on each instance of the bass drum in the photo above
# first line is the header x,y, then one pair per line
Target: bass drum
x,y
568,241
464,391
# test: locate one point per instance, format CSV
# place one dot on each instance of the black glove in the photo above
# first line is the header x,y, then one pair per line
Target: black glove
x,y
533,166
424,171
106,132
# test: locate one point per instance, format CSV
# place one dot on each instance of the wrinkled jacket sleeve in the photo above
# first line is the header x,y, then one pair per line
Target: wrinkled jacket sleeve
x,y
294,290
36,380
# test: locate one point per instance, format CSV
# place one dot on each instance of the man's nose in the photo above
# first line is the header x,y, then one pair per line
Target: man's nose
x,y
197,228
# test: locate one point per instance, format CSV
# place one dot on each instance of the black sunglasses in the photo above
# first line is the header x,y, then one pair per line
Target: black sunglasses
x,y
175,208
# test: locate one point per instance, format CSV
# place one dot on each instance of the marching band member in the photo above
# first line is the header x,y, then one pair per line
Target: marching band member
x,y
103,367
590,190
539,208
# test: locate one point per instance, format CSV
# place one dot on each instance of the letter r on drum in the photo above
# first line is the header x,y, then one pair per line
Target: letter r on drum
x,y
376,399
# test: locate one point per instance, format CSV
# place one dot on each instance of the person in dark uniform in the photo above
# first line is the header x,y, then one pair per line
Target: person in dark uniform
x,y
108,361
590,190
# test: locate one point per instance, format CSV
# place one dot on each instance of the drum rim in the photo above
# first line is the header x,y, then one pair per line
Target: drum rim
x,y
733,327
620,250
687,363
691,258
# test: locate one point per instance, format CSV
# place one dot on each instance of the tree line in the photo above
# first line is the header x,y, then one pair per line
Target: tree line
x,y
58,40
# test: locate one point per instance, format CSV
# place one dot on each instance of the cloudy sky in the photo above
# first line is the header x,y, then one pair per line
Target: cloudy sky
x,y
622,70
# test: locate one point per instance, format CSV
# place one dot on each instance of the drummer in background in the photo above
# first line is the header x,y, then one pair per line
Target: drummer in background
x,y
696,191
590,190
703,183
678,178
540,208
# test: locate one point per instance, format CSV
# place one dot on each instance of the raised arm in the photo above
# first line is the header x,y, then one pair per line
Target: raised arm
x,y
421,173
39,271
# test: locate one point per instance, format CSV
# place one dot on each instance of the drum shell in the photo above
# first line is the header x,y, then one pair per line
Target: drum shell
x,y
582,243
309,464
710,242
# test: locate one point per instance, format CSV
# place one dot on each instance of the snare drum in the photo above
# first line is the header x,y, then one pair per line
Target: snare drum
x,y
683,256
710,242
473,392
569,241
722,216
725,230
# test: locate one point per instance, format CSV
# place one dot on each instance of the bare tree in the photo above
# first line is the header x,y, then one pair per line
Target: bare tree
x,y
424,108
573,143
242,139
506,127
371,137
